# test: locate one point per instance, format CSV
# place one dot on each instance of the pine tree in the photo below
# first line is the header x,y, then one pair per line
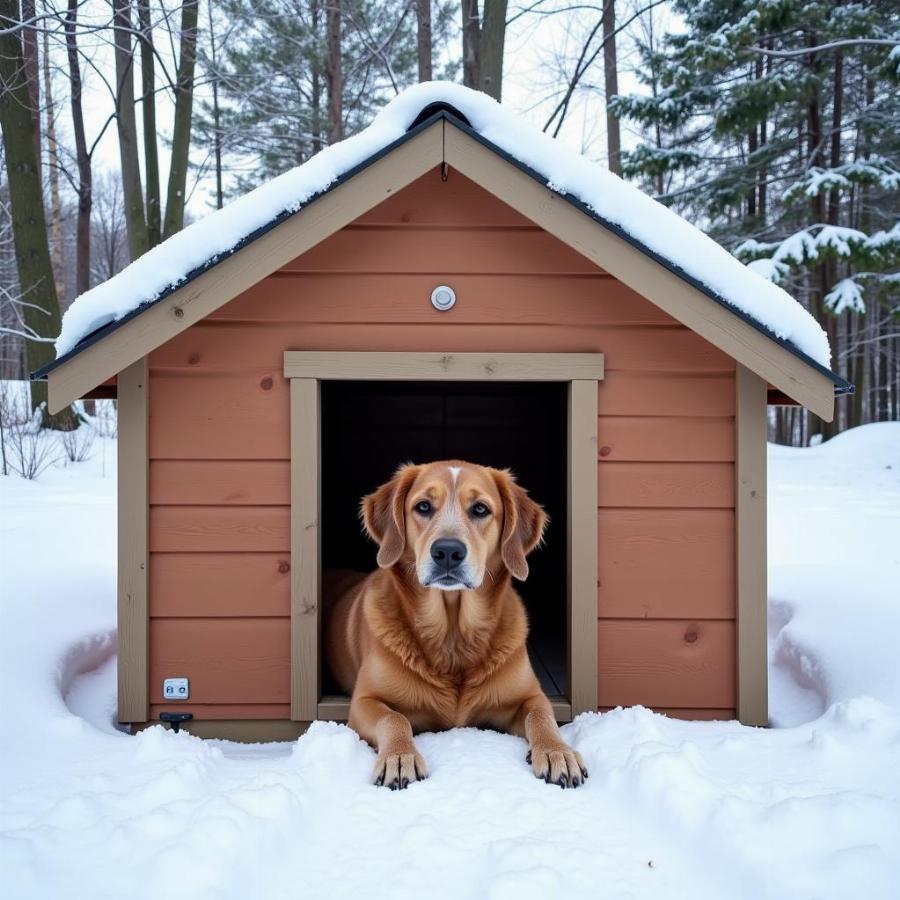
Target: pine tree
x,y
775,128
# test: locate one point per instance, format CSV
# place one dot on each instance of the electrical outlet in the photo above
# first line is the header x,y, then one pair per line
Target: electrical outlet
x,y
176,689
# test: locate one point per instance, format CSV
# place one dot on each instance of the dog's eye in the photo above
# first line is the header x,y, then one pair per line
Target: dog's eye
x,y
423,508
480,510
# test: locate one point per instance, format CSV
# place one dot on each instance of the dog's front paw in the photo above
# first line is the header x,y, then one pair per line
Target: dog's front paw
x,y
397,770
557,764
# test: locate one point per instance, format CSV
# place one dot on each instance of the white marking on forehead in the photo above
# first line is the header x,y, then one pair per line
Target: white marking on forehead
x,y
454,471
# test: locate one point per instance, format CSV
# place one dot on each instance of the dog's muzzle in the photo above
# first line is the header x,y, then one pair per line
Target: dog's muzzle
x,y
448,565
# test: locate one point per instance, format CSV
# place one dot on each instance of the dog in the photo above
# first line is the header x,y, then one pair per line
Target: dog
x,y
435,637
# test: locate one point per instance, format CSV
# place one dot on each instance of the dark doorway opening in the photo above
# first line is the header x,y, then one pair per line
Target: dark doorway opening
x,y
369,428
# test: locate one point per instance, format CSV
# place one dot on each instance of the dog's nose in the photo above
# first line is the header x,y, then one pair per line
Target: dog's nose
x,y
448,552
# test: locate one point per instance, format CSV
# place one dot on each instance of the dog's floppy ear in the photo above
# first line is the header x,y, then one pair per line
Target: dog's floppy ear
x,y
384,515
523,524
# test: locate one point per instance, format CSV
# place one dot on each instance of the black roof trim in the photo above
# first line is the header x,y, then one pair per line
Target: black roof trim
x,y
439,107
423,120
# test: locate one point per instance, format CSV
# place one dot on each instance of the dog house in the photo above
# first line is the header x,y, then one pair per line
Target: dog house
x,y
435,288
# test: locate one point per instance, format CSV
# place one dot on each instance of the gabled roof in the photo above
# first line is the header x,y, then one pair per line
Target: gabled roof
x,y
603,217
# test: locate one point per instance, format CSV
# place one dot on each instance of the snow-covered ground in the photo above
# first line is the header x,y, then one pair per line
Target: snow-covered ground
x,y
672,809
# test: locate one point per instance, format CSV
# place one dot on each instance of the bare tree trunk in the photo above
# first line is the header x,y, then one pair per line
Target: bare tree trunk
x,y
135,223
32,77
148,108
335,74
56,259
217,138
471,39
490,50
423,38
611,81
318,141
181,133
27,205
85,179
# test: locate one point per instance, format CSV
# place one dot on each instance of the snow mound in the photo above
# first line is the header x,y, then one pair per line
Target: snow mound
x,y
615,201
672,810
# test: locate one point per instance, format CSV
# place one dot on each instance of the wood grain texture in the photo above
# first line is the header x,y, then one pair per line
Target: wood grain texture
x,y
750,517
628,393
445,250
657,439
432,201
407,366
226,660
217,711
204,529
133,542
403,298
666,663
582,545
232,416
212,348
205,482
666,563
220,584
306,474
680,484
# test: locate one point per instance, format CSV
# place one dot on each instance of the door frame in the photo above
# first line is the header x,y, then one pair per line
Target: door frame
x,y
307,369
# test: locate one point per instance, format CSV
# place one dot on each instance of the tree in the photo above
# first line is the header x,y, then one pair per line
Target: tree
x,y
611,82
176,195
84,188
35,270
423,39
334,73
144,230
138,235
272,63
483,42
778,127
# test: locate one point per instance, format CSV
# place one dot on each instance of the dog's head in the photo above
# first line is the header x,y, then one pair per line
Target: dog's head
x,y
454,522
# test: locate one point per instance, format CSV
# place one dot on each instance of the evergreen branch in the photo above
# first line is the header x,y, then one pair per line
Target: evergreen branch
x,y
833,45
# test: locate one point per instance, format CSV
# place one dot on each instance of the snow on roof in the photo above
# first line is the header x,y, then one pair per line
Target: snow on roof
x,y
617,202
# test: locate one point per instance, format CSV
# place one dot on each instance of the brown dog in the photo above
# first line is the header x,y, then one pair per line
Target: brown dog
x,y
435,638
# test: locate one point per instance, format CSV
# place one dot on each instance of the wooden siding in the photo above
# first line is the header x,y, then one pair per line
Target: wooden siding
x,y
219,481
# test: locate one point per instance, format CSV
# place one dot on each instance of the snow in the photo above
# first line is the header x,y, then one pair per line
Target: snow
x,y
614,200
672,809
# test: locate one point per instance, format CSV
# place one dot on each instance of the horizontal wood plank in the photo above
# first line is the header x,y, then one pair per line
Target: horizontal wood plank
x,y
627,393
213,347
226,660
231,416
185,482
220,584
194,529
354,298
666,663
443,251
219,711
666,563
681,485
487,367
431,200
657,439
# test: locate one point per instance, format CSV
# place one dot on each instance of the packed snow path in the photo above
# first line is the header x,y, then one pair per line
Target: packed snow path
x,y
671,810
